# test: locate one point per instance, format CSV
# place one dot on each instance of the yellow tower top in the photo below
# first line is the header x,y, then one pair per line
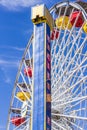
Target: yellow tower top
x,y
41,14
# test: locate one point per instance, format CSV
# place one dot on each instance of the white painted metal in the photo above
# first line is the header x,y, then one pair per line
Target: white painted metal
x,y
68,78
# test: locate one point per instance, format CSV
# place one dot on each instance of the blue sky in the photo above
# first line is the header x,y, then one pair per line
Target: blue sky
x,y
15,30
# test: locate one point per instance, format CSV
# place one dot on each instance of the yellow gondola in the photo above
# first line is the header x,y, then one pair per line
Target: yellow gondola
x,y
85,27
63,22
21,96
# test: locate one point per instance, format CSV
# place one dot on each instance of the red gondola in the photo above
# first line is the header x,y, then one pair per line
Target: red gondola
x,y
54,34
17,120
28,72
73,17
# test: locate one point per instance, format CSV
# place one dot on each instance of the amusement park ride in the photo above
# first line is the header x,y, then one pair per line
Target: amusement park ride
x,y
50,91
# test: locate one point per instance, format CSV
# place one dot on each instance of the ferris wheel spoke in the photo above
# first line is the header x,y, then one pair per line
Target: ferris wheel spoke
x,y
77,110
68,40
70,116
24,94
27,116
28,62
65,34
76,69
58,16
24,128
28,76
53,128
25,83
71,74
84,78
77,90
56,66
18,110
68,90
79,93
69,52
21,100
61,25
21,124
71,101
29,57
73,124
18,99
31,64
76,50
71,96
23,86
72,108
68,66
55,123
67,27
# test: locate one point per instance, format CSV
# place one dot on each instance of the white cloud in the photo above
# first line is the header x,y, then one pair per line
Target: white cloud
x,y
6,63
19,49
13,47
12,4
9,56
8,80
2,127
5,68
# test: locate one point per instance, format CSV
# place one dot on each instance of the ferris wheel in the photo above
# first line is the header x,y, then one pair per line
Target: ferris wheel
x,y
68,74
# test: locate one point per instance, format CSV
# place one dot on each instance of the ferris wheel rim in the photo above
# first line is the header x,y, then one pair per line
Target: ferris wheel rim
x,y
17,76
74,4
